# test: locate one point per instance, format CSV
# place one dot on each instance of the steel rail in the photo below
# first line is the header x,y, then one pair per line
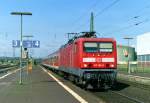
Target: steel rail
x,y
131,98
6,69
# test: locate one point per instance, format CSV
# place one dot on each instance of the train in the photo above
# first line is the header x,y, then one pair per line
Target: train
x,y
86,60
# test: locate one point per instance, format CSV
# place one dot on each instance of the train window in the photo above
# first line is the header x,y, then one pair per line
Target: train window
x,y
105,47
91,47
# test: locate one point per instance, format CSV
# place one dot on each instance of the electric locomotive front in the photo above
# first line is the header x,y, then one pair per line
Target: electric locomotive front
x,y
98,61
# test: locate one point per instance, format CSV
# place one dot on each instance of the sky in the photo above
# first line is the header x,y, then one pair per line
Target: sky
x,y
51,20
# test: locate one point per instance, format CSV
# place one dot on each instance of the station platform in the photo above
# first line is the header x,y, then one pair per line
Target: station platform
x,y
37,87
41,86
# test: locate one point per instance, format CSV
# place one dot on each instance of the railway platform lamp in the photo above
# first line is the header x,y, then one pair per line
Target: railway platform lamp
x,y
128,54
21,14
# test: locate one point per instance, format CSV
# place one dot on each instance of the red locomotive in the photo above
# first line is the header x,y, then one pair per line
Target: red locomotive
x,y
86,60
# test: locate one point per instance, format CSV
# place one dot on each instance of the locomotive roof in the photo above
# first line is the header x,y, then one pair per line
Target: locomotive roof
x,y
96,39
90,39
87,36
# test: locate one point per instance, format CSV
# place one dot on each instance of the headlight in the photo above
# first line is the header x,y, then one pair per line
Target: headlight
x,y
85,65
112,65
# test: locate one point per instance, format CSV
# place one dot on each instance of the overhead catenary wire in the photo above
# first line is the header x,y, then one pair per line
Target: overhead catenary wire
x,y
87,11
83,15
138,14
136,17
128,27
107,7
99,13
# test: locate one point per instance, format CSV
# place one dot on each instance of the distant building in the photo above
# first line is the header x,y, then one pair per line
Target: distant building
x,y
143,49
122,54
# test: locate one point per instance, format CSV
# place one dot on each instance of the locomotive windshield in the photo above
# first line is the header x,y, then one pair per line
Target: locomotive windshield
x,y
98,46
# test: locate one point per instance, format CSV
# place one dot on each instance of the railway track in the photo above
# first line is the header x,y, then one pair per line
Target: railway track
x,y
128,97
117,97
126,92
6,68
141,86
